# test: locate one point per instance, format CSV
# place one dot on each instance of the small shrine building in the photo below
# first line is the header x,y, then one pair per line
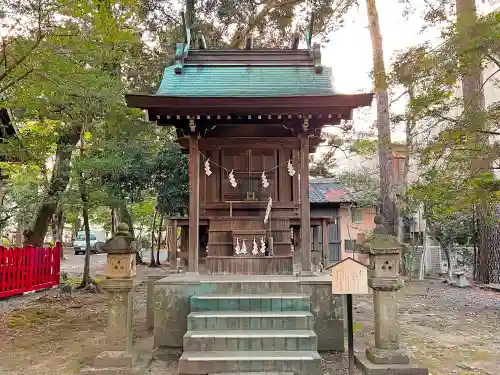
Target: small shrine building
x,y
249,119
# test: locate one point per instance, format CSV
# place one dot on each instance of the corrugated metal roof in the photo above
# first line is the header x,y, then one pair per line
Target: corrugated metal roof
x,y
326,190
246,81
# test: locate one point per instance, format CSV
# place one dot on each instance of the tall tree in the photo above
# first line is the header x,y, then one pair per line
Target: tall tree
x,y
387,192
476,140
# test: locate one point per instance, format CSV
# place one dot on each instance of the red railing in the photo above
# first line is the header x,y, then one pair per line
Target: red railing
x,y
28,269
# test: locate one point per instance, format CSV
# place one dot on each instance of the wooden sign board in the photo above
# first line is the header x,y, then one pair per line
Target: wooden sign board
x,y
350,277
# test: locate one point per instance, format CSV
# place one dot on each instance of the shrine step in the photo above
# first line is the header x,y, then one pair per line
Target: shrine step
x,y
250,302
258,340
298,362
255,320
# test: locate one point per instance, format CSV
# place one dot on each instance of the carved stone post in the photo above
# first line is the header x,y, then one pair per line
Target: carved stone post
x,y
385,356
119,357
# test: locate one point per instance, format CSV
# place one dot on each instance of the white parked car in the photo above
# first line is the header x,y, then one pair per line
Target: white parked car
x,y
97,239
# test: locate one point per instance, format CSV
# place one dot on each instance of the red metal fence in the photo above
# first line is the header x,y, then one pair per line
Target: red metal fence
x,y
28,269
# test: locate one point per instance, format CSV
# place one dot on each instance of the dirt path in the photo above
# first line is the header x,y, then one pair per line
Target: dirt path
x,y
448,330
452,331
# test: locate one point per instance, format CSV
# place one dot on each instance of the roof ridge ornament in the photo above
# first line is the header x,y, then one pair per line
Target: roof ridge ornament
x,y
182,49
314,49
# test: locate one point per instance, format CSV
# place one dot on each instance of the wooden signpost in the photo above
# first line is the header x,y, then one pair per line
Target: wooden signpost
x,y
350,277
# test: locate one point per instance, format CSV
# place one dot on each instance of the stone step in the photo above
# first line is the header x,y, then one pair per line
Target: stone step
x,y
276,340
255,320
298,362
250,302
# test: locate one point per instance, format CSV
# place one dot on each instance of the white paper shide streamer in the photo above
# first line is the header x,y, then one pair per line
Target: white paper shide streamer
x,y
243,248
262,246
208,172
268,210
232,180
265,183
291,170
255,249
237,247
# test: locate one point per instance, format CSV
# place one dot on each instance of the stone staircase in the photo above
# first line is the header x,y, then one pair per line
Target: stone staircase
x,y
245,333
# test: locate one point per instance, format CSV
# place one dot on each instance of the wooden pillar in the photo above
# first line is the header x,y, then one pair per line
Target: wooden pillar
x,y
316,238
194,203
173,242
324,252
305,211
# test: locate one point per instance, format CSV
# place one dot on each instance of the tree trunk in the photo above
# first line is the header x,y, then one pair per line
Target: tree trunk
x,y
475,120
387,192
85,212
19,234
152,262
58,183
75,227
113,230
447,253
159,241
57,228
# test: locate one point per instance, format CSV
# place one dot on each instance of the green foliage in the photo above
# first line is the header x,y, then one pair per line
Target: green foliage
x,y
451,152
226,23
364,147
171,181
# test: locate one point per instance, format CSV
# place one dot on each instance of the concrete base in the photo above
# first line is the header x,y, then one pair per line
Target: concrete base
x,y
387,357
461,281
307,273
172,303
370,368
118,363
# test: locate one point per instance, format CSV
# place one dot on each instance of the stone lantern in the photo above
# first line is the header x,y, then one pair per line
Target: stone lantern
x,y
121,254
386,356
119,356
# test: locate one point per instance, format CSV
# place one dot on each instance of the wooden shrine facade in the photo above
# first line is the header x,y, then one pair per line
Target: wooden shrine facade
x,y
242,114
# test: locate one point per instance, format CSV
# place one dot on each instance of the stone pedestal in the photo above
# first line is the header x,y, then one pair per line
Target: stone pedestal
x,y
119,356
386,356
150,299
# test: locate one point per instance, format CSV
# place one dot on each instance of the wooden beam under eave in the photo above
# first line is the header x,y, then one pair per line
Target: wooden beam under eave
x,y
291,143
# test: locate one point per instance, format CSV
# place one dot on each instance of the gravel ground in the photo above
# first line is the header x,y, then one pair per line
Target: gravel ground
x,y
449,330
444,328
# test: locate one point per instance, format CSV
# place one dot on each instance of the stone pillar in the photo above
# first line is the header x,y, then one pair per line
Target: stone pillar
x,y
385,356
119,356
194,201
305,210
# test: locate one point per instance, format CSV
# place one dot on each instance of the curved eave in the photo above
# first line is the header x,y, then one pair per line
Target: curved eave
x,y
293,105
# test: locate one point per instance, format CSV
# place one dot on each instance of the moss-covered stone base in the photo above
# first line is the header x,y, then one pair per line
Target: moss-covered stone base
x,y
173,292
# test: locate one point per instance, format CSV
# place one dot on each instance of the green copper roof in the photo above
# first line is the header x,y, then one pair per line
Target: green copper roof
x,y
246,81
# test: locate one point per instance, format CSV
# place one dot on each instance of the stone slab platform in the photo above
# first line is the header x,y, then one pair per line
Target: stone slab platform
x,y
172,295
493,287
370,368
298,362
139,366
255,320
